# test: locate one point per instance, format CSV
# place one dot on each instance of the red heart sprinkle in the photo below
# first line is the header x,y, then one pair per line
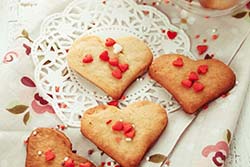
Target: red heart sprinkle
x,y
171,34
113,103
127,127
49,155
118,126
187,83
215,36
201,49
62,127
110,42
178,62
69,163
123,67
123,97
86,164
114,61
87,58
27,49
202,69
193,76
117,74
104,56
198,86
146,12
130,134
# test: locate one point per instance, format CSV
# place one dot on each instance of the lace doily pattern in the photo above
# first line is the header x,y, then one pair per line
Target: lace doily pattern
x,y
69,93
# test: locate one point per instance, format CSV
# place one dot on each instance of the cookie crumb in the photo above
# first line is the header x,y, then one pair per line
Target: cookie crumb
x,y
66,158
39,153
117,48
170,103
128,139
214,30
34,133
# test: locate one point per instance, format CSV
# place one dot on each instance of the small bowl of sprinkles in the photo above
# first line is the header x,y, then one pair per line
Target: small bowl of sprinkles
x,y
211,8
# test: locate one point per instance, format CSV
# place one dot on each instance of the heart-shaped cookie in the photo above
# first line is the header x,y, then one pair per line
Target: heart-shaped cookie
x,y
125,135
192,83
47,147
112,66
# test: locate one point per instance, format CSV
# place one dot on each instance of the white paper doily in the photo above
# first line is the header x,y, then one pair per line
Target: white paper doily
x,y
69,93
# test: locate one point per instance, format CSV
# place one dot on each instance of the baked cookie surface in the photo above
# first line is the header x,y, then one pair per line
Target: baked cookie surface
x,y
218,4
192,83
127,134
47,147
113,74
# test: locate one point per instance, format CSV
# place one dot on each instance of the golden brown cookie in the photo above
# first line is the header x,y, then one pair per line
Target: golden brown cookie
x,y
192,83
125,135
47,147
218,4
111,66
